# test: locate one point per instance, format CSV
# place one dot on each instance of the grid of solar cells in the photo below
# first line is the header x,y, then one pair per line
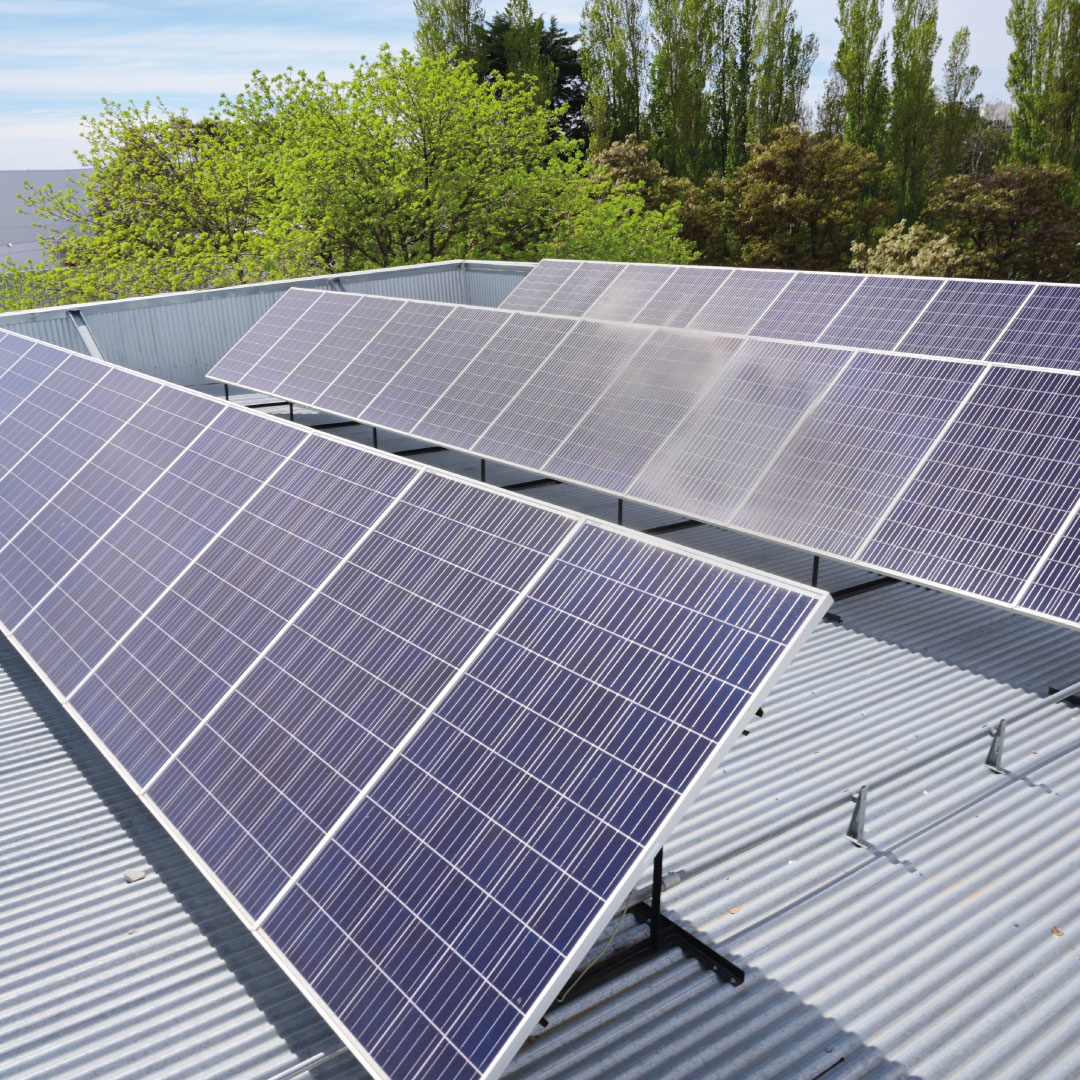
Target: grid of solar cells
x,y
879,314
564,766
251,348
363,374
740,301
629,292
965,318
487,385
576,295
728,439
652,394
682,295
428,373
1046,332
355,328
1055,588
539,285
806,306
536,421
832,482
994,491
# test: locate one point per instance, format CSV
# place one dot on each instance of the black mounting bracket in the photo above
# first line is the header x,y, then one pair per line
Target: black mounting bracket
x,y
663,935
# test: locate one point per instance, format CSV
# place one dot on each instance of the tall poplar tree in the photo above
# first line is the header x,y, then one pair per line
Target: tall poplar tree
x,y
860,83
521,34
684,39
913,117
959,117
783,56
445,27
732,84
614,61
1023,25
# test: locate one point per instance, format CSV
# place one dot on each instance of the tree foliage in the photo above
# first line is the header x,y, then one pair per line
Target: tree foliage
x,y
959,120
450,28
783,56
859,86
614,65
733,85
802,199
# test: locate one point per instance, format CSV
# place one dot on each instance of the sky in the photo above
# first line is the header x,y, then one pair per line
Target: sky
x,y
61,57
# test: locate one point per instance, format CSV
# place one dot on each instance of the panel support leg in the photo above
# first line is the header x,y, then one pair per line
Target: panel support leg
x,y
226,391
483,470
814,572
620,511
375,438
291,417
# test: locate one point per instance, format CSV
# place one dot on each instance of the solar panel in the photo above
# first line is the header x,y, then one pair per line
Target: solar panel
x,y
677,301
993,492
965,318
423,735
548,407
576,295
806,306
850,456
879,314
490,381
629,292
539,285
651,395
740,301
1045,332
727,440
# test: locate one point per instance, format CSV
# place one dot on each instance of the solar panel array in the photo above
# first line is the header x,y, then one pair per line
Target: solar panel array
x,y
956,471
422,734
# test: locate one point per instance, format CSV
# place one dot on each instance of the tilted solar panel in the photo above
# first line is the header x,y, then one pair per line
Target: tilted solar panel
x,y
680,297
806,306
741,300
1045,331
539,285
629,292
423,735
878,315
577,294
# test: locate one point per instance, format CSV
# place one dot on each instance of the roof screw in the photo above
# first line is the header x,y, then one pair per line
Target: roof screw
x,y
997,749
858,819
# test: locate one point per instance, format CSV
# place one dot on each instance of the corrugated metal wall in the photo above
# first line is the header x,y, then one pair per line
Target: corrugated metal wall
x,y
179,336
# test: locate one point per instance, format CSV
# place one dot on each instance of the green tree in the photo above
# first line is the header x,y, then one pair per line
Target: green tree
x,y
733,84
959,119
783,56
518,34
913,117
802,199
918,250
684,38
450,28
859,85
614,63
1023,25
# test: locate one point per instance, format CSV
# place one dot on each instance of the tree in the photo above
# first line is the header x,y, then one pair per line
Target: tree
x,y
733,84
959,119
684,57
912,120
614,60
918,250
1022,22
450,28
859,87
782,61
802,199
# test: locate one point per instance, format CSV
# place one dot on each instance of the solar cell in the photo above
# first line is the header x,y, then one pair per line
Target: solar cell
x,y
317,369
486,386
965,318
1055,584
806,306
547,408
740,301
727,440
629,292
364,374
564,768
428,373
264,335
1045,332
639,410
879,314
850,456
679,299
576,295
993,492
539,285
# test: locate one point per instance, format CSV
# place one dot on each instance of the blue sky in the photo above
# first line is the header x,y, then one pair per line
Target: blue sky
x,y
62,56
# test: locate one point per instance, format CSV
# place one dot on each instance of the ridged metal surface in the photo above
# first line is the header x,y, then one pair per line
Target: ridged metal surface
x,y
180,336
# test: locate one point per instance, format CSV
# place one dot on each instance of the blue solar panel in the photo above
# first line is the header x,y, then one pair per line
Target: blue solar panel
x,y
430,370
740,301
1055,588
806,306
990,497
539,285
492,380
1046,332
965,318
880,313
343,340
629,292
728,439
576,295
833,480
680,298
